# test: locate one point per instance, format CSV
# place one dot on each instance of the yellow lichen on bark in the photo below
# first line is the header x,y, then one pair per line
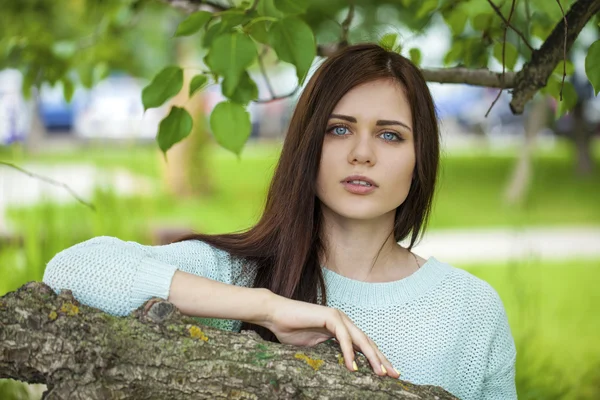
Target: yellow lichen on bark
x,y
340,359
197,333
315,364
70,309
53,315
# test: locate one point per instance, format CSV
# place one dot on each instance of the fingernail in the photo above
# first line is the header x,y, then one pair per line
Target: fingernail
x,y
354,365
396,371
383,369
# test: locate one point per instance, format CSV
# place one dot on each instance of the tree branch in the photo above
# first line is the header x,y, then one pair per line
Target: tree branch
x,y
191,6
562,85
544,60
475,77
274,98
156,353
507,23
512,9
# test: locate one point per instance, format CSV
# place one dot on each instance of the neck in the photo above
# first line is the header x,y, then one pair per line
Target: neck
x,y
364,250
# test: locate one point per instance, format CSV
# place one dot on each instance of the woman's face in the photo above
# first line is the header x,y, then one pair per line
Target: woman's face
x,y
369,133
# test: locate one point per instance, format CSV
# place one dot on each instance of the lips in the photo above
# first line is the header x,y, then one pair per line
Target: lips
x,y
359,178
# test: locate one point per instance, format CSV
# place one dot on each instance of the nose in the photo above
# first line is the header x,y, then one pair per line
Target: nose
x,y
362,151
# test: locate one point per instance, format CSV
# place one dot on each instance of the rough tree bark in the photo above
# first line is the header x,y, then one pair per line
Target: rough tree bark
x,y
156,353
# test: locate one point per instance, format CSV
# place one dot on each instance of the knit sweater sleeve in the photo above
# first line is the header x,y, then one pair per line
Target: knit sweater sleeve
x,y
499,382
117,276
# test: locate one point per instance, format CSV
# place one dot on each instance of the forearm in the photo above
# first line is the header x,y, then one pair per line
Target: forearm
x,y
202,297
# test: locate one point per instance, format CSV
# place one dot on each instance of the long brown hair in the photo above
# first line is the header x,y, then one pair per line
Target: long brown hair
x,y
285,245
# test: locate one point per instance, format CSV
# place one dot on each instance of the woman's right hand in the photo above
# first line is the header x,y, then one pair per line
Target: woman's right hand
x,y
305,324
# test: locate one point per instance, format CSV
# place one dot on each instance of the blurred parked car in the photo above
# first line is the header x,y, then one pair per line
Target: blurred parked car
x,y
113,109
56,113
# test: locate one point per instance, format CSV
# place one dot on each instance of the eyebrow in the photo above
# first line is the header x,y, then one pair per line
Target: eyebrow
x,y
381,122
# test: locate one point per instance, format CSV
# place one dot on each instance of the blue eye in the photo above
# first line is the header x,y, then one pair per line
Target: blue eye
x,y
339,130
390,136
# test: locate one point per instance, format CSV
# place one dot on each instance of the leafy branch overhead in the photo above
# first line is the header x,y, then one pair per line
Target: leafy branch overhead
x,y
239,39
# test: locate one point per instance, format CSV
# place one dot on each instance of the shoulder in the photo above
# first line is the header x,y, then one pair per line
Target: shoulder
x,y
470,290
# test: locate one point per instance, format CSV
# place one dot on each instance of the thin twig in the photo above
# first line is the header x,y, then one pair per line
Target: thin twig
x,y
51,181
507,23
512,9
253,7
264,72
275,98
346,23
564,50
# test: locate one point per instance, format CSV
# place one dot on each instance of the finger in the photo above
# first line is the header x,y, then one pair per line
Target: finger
x,y
340,332
366,348
391,371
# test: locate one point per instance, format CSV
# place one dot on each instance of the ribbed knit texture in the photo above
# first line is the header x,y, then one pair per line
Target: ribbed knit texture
x,y
439,326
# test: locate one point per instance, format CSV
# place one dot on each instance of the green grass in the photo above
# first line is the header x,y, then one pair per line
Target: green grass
x,y
553,313
470,191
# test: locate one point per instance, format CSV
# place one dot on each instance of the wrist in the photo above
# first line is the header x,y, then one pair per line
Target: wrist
x,y
264,308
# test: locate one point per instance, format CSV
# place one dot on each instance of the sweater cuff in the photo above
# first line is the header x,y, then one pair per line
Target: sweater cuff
x,y
153,279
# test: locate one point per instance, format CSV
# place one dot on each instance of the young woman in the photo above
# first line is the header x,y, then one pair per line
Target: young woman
x,y
356,175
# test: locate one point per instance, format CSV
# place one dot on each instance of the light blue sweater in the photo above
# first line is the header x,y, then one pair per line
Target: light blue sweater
x,y
439,326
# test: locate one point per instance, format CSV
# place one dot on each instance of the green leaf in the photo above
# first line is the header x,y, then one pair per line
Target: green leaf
x,y
174,128
197,83
193,23
267,8
230,54
510,56
101,71
592,66
482,22
456,19
291,6
294,42
86,76
475,54
569,99
570,68
211,33
388,41
455,53
260,31
245,91
426,8
415,56
231,126
68,89
165,85
233,18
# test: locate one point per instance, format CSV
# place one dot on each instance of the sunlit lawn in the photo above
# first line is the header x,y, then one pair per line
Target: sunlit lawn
x,y
553,313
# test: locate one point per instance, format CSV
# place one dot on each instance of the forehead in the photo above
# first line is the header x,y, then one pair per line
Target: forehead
x,y
380,99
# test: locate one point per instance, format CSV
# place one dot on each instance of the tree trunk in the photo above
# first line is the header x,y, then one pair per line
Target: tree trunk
x,y
156,353
518,185
34,140
186,174
582,137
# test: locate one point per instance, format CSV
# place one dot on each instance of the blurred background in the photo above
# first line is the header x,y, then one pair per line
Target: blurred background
x,y
518,203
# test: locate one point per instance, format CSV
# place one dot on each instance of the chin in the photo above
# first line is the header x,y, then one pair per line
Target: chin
x,y
359,212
